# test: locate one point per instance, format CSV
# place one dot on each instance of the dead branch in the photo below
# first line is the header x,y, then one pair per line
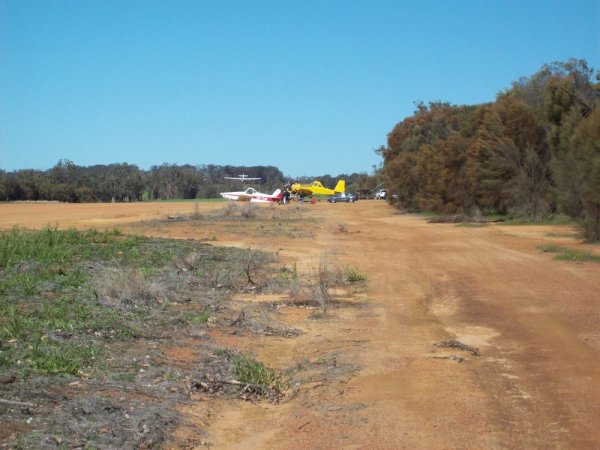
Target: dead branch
x,y
14,402
246,387
453,343
302,426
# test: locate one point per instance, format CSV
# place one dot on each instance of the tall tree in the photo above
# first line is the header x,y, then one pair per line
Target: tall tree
x,y
586,170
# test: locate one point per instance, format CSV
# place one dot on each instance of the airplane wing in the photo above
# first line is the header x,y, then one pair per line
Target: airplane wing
x,y
242,177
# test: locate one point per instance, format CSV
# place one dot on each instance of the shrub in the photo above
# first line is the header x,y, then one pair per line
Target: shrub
x,y
353,275
256,373
129,288
249,211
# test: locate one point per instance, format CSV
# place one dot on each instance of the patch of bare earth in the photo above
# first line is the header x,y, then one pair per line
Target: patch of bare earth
x,y
461,337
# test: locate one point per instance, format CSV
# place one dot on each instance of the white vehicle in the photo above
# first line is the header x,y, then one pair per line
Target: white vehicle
x,y
381,194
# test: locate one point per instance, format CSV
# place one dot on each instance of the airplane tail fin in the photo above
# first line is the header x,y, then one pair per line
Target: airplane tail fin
x,y
340,186
277,193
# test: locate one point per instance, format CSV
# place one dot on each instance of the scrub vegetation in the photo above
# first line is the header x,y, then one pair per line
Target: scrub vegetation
x,y
93,322
569,254
530,154
84,312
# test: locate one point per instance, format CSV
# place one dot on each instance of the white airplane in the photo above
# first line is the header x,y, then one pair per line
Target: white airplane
x,y
252,195
243,177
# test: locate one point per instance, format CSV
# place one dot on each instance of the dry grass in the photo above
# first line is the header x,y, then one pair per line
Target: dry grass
x,y
191,261
128,288
250,269
317,291
196,213
233,209
229,210
342,228
321,287
249,211
299,295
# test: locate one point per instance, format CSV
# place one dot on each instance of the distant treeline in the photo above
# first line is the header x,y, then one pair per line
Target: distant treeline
x,y
533,152
68,182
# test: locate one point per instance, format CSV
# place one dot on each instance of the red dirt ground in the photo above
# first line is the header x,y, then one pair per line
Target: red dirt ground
x,y
535,320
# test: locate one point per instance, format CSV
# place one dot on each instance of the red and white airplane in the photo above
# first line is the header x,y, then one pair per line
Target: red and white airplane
x,y
252,195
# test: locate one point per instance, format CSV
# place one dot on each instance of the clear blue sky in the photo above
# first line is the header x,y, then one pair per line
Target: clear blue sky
x,y
311,87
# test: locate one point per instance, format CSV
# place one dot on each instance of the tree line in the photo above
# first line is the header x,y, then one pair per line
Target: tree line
x,y
533,152
68,182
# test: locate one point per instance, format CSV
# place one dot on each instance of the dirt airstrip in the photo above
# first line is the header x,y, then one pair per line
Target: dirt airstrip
x,y
464,337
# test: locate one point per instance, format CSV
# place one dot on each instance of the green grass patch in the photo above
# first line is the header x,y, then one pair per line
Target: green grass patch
x,y
256,373
555,219
53,260
353,275
67,296
198,318
46,337
426,214
51,323
563,235
107,308
567,254
471,225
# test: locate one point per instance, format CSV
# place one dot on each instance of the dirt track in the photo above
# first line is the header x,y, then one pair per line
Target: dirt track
x,y
536,322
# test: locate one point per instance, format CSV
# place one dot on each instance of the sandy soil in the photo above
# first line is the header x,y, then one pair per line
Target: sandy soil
x,y
535,321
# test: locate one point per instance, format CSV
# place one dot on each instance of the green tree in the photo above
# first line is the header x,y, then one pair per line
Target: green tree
x,y
585,168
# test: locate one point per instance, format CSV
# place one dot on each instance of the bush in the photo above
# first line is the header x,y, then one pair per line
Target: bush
x,y
353,275
129,288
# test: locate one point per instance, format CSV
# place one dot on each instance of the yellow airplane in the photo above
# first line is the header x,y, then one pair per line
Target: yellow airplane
x,y
317,188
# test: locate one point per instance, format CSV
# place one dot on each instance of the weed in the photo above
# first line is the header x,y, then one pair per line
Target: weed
x,y
316,292
299,295
552,219
562,235
457,218
254,264
256,373
41,336
129,288
472,225
191,261
172,376
321,288
426,214
294,271
225,277
198,318
249,211
51,359
317,314
196,214
87,304
353,275
229,210
224,352
342,228
240,269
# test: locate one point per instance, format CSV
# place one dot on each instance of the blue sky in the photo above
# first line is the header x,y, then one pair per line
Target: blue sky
x,y
311,87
